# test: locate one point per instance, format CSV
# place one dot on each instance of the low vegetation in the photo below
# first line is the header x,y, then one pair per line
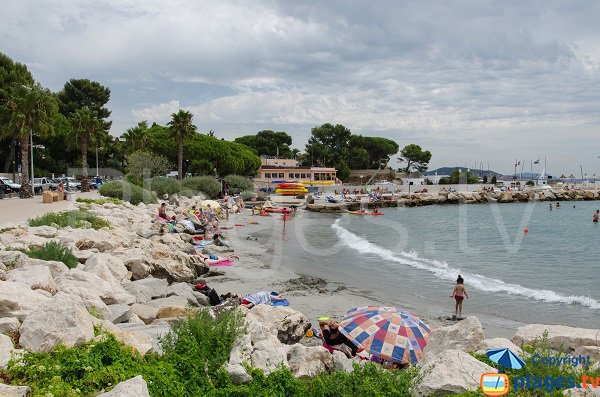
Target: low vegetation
x,y
192,365
206,184
54,251
77,219
128,192
99,201
162,186
238,184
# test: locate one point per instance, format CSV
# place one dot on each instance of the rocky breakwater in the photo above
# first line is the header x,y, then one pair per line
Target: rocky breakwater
x,y
131,280
479,197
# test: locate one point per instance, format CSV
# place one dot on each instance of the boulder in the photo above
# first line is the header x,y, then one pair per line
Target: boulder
x,y
238,374
450,372
174,300
290,324
62,319
108,267
6,351
14,391
134,260
592,351
134,387
499,343
139,341
185,290
341,362
9,324
559,336
135,319
88,284
309,361
146,313
119,313
172,311
38,276
82,255
18,299
466,335
154,331
43,231
56,268
147,289
102,240
176,243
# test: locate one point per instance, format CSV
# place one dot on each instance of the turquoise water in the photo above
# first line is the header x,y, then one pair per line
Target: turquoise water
x,y
411,257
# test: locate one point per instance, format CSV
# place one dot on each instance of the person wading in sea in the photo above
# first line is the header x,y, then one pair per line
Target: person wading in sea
x,y
459,294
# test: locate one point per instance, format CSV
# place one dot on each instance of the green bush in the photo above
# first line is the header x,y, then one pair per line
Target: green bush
x,y
238,183
247,195
76,219
162,186
206,184
99,201
54,251
127,192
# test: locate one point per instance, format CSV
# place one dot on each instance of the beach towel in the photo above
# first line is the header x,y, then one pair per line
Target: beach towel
x,y
227,262
257,298
284,302
237,224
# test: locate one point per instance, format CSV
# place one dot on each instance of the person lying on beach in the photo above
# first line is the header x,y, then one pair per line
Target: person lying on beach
x,y
260,298
213,297
459,294
162,211
335,339
219,240
213,259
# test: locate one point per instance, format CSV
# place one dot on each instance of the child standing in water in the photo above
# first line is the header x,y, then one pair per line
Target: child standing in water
x,y
459,294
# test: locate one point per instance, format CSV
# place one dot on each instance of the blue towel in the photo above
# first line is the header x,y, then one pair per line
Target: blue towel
x,y
284,302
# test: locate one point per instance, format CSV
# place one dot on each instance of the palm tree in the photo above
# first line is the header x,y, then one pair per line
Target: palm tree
x,y
136,137
27,110
86,127
181,127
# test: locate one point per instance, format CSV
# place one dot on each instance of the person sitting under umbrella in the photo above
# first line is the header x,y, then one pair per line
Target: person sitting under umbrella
x,y
335,340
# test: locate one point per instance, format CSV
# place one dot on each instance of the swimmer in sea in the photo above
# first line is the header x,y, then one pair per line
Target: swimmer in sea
x,y
550,206
595,219
459,294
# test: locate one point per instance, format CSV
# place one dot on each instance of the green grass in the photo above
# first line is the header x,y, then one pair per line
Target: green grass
x,y
54,251
192,365
100,201
75,219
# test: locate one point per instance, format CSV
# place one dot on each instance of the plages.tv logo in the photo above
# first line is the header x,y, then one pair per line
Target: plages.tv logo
x,y
498,384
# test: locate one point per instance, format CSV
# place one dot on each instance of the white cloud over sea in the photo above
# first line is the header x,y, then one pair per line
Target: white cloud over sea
x,y
471,81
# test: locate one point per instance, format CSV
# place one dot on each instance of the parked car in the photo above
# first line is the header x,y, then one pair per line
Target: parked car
x,y
70,183
54,183
44,183
9,182
4,189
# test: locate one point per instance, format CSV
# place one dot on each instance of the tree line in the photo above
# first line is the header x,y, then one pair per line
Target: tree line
x,y
69,125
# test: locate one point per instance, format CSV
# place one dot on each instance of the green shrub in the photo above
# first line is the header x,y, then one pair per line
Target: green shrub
x,y
127,192
77,219
206,184
99,201
162,186
238,183
54,251
247,195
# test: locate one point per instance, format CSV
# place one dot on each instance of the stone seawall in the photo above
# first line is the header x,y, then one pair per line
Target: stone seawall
x,y
419,199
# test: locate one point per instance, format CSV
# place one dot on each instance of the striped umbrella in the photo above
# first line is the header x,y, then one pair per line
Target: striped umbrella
x,y
505,358
386,332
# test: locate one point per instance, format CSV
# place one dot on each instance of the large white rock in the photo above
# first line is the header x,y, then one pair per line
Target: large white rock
x,y
238,373
56,268
119,313
14,391
451,371
135,387
185,290
9,324
146,313
43,231
559,336
499,343
147,289
154,331
466,335
18,299
289,325
305,361
84,283
108,267
63,319
176,301
6,351
138,340
38,276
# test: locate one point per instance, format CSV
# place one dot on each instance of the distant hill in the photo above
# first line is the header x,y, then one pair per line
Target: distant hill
x,y
448,170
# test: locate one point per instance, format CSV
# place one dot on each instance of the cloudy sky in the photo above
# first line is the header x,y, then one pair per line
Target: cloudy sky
x,y
472,81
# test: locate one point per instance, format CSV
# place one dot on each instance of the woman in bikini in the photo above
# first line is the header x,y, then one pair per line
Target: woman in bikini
x,y
459,294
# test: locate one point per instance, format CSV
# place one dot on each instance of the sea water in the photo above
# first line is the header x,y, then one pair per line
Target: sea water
x,y
411,257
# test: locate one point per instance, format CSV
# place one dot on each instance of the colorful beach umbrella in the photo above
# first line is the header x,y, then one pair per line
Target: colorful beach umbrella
x,y
505,358
213,204
389,333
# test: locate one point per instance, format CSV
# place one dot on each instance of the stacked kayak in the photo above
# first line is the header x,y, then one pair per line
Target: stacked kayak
x,y
365,213
291,189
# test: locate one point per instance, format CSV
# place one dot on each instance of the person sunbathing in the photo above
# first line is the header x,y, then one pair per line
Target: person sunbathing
x,y
261,298
213,259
